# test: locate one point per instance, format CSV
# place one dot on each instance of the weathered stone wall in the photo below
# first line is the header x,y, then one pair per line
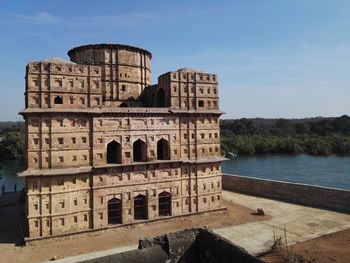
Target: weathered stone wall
x,y
73,202
56,204
78,86
67,140
309,195
58,140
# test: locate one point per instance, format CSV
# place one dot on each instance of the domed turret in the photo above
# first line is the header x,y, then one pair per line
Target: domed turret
x,y
126,70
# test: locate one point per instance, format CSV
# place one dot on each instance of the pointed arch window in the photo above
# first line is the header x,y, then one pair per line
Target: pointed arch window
x,y
114,154
164,204
140,151
114,211
163,151
140,207
58,100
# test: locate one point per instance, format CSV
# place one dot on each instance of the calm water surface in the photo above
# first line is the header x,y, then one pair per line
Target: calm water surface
x,y
8,171
331,171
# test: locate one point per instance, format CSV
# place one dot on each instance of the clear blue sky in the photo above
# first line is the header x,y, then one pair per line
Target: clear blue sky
x,y
281,58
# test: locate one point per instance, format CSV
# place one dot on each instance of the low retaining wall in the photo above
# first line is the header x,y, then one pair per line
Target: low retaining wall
x,y
303,194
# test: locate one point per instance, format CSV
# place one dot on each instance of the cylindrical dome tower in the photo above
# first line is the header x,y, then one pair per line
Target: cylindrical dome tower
x,y
125,70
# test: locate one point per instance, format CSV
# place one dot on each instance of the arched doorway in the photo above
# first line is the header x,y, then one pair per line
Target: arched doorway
x,y
140,207
163,150
164,204
160,98
123,105
58,100
139,151
114,152
114,211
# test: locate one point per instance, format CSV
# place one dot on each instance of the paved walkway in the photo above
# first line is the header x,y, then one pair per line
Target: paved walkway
x,y
301,223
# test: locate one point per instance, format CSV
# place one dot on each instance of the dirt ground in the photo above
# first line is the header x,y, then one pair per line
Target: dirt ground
x,y
333,248
124,236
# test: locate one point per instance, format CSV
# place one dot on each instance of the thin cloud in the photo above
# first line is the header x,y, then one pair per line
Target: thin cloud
x,y
39,18
124,19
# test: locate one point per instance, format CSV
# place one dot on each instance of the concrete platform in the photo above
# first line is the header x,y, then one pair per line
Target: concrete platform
x,y
301,223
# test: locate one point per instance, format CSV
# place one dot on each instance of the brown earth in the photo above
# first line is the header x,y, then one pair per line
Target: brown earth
x,y
333,248
123,236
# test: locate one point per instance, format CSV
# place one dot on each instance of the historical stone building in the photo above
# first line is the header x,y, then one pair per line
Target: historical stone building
x,y
107,148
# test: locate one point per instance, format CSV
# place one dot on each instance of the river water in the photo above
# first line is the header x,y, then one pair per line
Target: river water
x,y
8,171
331,171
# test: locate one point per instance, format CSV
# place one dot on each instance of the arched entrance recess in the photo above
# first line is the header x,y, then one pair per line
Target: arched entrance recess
x,y
114,211
164,204
139,151
163,150
140,207
114,152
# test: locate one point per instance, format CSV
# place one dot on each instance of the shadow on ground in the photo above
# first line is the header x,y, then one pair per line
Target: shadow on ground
x,y
13,226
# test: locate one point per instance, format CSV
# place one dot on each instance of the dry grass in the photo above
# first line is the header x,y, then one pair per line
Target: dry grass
x,y
283,251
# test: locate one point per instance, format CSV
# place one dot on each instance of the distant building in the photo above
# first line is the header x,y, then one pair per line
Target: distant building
x,y
107,148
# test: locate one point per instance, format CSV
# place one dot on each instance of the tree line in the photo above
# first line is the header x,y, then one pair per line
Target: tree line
x,y
316,136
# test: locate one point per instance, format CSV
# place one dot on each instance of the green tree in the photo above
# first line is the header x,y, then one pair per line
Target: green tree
x,y
12,146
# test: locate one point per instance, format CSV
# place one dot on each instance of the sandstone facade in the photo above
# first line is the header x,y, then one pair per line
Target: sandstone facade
x,y
107,148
